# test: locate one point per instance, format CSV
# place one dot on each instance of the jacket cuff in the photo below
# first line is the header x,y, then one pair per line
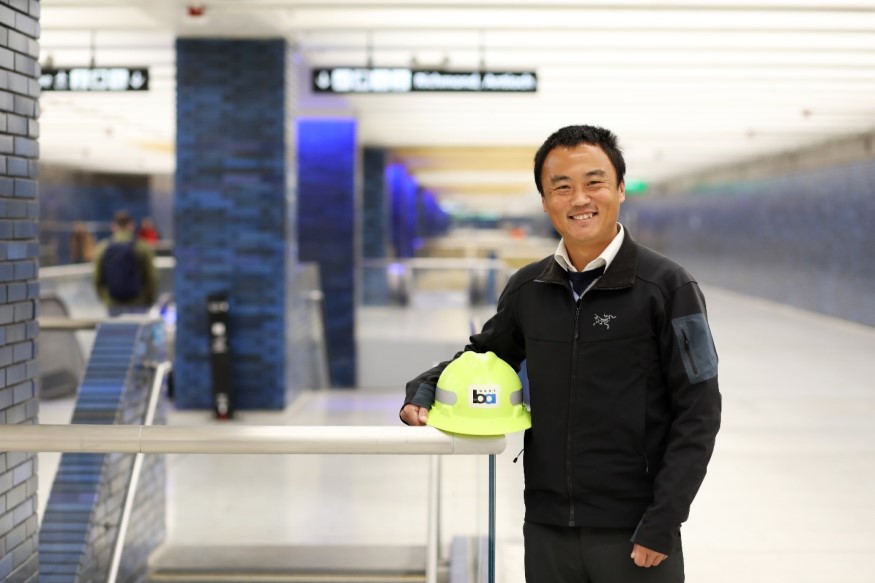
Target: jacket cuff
x,y
424,396
656,538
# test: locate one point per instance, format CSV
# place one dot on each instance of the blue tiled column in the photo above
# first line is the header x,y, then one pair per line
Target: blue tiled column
x,y
375,210
375,224
19,290
326,230
230,214
403,191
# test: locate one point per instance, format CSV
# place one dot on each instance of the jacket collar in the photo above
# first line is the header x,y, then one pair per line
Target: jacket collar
x,y
619,274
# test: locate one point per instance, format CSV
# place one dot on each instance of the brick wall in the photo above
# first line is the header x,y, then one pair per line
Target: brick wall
x,y
19,251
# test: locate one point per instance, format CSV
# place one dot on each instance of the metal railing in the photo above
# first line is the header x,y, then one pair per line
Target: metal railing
x,y
161,371
252,439
158,439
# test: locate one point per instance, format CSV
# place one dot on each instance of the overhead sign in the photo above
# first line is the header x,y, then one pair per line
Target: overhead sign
x,y
108,79
399,80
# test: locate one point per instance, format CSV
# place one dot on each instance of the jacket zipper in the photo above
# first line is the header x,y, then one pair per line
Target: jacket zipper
x,y
689,352
568,444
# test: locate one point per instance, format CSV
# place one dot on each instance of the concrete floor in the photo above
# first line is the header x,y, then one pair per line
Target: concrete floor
x,y
787,498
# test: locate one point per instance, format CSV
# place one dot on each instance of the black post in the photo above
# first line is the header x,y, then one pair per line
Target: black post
x,y
220,359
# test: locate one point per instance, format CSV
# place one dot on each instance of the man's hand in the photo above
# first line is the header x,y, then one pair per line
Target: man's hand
x,y
644,557
414,414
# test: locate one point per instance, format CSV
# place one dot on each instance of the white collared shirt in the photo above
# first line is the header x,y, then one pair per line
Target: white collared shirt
x,y
605,257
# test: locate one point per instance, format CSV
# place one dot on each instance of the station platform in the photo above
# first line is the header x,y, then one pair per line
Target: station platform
x,y
787,497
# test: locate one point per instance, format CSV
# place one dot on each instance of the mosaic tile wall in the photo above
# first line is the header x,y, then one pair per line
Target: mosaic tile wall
x,y
230,215
19,252
327,230
81,520
803,239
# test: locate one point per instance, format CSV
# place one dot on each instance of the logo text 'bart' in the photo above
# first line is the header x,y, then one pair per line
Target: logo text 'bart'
x,y
483,396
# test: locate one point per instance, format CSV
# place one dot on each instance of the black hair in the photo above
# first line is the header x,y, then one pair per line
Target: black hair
x,y
571,136
123,219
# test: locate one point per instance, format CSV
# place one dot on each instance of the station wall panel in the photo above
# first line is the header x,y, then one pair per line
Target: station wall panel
x,y
803,239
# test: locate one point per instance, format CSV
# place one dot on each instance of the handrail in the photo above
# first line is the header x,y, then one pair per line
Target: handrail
x,y
161,371
251,439
47,323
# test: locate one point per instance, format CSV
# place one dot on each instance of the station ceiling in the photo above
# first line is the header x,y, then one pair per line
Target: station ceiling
x,y
686,84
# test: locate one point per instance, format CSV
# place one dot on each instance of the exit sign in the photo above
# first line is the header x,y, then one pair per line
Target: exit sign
x,y
99,79
401,80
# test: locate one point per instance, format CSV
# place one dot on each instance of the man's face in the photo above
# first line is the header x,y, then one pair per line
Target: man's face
x,y
582,196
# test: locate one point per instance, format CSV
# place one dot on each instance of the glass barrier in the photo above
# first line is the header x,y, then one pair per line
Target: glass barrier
x,y
357,517
426,281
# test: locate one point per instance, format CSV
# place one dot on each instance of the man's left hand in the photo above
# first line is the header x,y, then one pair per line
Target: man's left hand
x,y
645,557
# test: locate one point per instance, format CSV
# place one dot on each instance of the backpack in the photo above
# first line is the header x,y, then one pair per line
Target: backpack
x,y
121,271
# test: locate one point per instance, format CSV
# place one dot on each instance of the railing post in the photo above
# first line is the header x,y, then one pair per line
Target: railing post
x,y
491,559
432,539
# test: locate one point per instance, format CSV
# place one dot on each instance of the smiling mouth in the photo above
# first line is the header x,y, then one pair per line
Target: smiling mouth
x,y
583,216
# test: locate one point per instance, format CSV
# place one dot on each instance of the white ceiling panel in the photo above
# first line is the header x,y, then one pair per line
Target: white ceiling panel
x,y
687,84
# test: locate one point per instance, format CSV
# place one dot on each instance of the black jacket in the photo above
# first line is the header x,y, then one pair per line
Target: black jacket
x,y
623,390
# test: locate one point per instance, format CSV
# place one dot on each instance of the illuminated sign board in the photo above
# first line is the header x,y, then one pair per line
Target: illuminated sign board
x,y
98,79
399,80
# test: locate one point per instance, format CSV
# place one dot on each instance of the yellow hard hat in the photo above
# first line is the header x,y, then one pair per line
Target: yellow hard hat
x,y
479,394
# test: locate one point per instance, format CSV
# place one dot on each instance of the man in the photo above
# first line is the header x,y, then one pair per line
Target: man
x,y
622,372
125,277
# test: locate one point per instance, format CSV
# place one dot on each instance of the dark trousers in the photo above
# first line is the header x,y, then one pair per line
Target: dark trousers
x,y
559,554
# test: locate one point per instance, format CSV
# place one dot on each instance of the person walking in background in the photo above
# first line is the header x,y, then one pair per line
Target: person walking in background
x,y
622,374
125,277
147,232
81,244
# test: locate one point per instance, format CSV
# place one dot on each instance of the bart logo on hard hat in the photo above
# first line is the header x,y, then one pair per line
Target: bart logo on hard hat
x,y
479,394
484,396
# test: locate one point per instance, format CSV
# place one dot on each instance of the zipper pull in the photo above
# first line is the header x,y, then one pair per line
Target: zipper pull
x,y
518,455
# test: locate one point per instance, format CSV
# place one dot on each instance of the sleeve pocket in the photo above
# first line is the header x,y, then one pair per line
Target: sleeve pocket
x,y
696,346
